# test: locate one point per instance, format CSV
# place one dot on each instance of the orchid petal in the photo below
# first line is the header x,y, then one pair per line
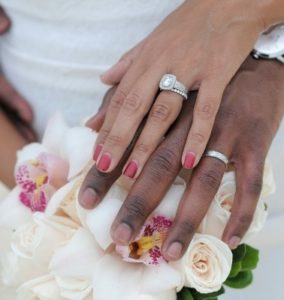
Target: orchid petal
x,y
115,279
64,201
167,295
78,258
12,212
101,218
77,148
160,278
29,152
56,167
54,133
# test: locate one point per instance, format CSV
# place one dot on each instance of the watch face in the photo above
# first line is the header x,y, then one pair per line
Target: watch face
x,y
272,43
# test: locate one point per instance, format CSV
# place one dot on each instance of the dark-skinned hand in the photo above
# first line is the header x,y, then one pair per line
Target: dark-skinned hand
x,y
250,114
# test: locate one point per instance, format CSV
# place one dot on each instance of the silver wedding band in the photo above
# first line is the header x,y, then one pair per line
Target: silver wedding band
x,y
169,82
218,155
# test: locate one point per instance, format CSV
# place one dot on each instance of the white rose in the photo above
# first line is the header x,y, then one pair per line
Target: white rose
x,y
219,212
41,288
32,246
73,265
268,186
206,264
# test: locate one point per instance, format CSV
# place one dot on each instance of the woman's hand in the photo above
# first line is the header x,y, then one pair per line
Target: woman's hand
x,y
203,43
251,111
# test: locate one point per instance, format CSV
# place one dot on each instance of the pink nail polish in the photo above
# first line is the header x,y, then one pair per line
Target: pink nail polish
x,y
104,162
131,169
97,151
189,160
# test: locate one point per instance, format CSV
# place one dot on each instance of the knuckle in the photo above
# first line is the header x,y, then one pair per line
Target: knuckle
x,y
186,227
132,102
244,219
143,148
118,99
197,137
136,207
166,159
114,140
210,178
160,112
254,185
205,111
104,134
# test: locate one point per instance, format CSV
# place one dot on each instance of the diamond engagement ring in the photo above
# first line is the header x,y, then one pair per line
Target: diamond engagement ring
x,y
218,155
169,83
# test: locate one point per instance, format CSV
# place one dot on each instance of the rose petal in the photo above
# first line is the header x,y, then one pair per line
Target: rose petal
x,y
115,279
78,258
160,278
43,288
167,295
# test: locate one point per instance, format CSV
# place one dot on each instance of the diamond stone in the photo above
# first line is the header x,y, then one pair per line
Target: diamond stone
x,y
168,81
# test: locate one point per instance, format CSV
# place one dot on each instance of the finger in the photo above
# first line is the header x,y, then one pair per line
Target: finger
x,y
134,108
206,107
114,107
115,74
249,184
97,184
96,122
163,113
10,97
193,206
4,21
159,173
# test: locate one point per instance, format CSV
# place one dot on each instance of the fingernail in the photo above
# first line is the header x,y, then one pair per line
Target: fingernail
x,y
234,242
104,162
174,251
97,151
131,169
189,160
89,199
122,234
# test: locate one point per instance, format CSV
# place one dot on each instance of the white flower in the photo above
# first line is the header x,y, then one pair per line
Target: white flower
x,y
219,212
73,265
268,186
146,266
207,263
32,246
41,288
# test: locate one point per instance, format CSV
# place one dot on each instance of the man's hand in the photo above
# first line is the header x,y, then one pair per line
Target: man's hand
x,y
251,111
16,108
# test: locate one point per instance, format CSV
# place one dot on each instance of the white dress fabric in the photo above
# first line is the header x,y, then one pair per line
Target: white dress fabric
x,y
54,54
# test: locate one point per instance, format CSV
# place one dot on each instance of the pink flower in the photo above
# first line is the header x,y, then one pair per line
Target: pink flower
x,y
147,247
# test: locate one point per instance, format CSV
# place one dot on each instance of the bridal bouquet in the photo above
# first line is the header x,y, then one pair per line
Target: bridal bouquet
x,y
53,249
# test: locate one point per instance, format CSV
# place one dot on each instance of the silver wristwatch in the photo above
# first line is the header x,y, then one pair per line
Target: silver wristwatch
x,y
270,45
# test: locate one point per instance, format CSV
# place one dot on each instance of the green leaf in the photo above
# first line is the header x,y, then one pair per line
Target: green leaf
x,y
185,294
242,280
239,253
250,259
236,269
198,296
